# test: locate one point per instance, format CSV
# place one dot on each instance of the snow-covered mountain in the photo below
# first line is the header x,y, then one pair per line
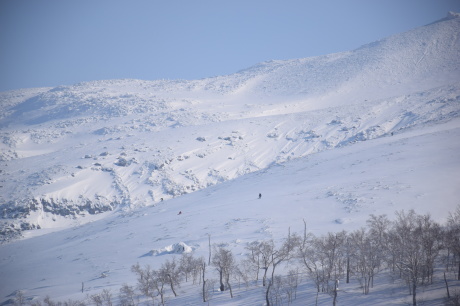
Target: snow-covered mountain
x,y
132,151
105,145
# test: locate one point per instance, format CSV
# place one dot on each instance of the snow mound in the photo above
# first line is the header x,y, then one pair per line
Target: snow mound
x,y
176,248
452,15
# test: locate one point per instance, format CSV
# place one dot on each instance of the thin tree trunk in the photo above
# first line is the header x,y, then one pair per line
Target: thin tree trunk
x,y
447,286
458,277
222,287
264,280
204,282
335,293
171,284
209,259
266,294
229,288
348,269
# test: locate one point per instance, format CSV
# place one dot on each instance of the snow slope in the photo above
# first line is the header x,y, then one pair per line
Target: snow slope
x,y
103,167
332,191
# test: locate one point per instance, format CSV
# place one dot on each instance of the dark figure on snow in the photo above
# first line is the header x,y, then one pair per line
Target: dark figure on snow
x,y
180,213
260,195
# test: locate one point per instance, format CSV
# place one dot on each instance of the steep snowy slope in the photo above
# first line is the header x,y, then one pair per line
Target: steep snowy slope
x,y
333,190
71,151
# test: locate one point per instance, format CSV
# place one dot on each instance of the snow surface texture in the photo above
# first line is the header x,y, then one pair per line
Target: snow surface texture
x,y
329,139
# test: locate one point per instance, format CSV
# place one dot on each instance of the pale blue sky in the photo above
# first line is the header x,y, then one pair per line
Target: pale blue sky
x,y
62,42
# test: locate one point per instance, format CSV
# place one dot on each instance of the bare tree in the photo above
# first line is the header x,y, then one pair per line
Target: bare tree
x,y
275,291
407,237
103,298
146,281
187,265
365,258
170,273
127,295
47,301
285,252
333,248
378,228
325,260
312,261
245,269
431,239
224,263
72,303
97,299
204,281
19,298
159,281
107,297
292,282
453,236
254,257
266,249
208,289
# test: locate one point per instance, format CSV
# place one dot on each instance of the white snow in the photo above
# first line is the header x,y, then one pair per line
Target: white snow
x,y
329,140
176,248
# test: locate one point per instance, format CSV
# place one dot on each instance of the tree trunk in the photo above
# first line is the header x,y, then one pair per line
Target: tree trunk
x,y
171,284
348,269
204,283
209,259
414,292
230,289
447,286
264,280
222,287
160,292
273,271
267,300
335,293
458,277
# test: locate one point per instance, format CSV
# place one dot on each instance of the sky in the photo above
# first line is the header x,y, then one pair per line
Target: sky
x,y
48,43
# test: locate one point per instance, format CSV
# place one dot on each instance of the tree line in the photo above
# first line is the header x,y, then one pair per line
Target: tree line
x,y
411,246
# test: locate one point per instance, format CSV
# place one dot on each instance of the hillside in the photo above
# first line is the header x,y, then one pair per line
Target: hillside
x,y
94,174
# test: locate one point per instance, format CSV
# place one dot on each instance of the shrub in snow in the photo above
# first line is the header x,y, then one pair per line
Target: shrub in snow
x,y
201,139
122,162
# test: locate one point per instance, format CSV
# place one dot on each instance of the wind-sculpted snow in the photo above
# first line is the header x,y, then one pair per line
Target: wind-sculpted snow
x,y
121,144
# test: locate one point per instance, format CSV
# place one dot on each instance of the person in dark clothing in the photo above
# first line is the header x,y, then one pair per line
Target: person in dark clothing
x,y
260,195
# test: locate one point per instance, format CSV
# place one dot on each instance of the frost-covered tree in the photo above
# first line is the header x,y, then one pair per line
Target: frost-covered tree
x,y
254,257
127,295
452,236
186,265
170,273
414,243
147,281
366,259
224,262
